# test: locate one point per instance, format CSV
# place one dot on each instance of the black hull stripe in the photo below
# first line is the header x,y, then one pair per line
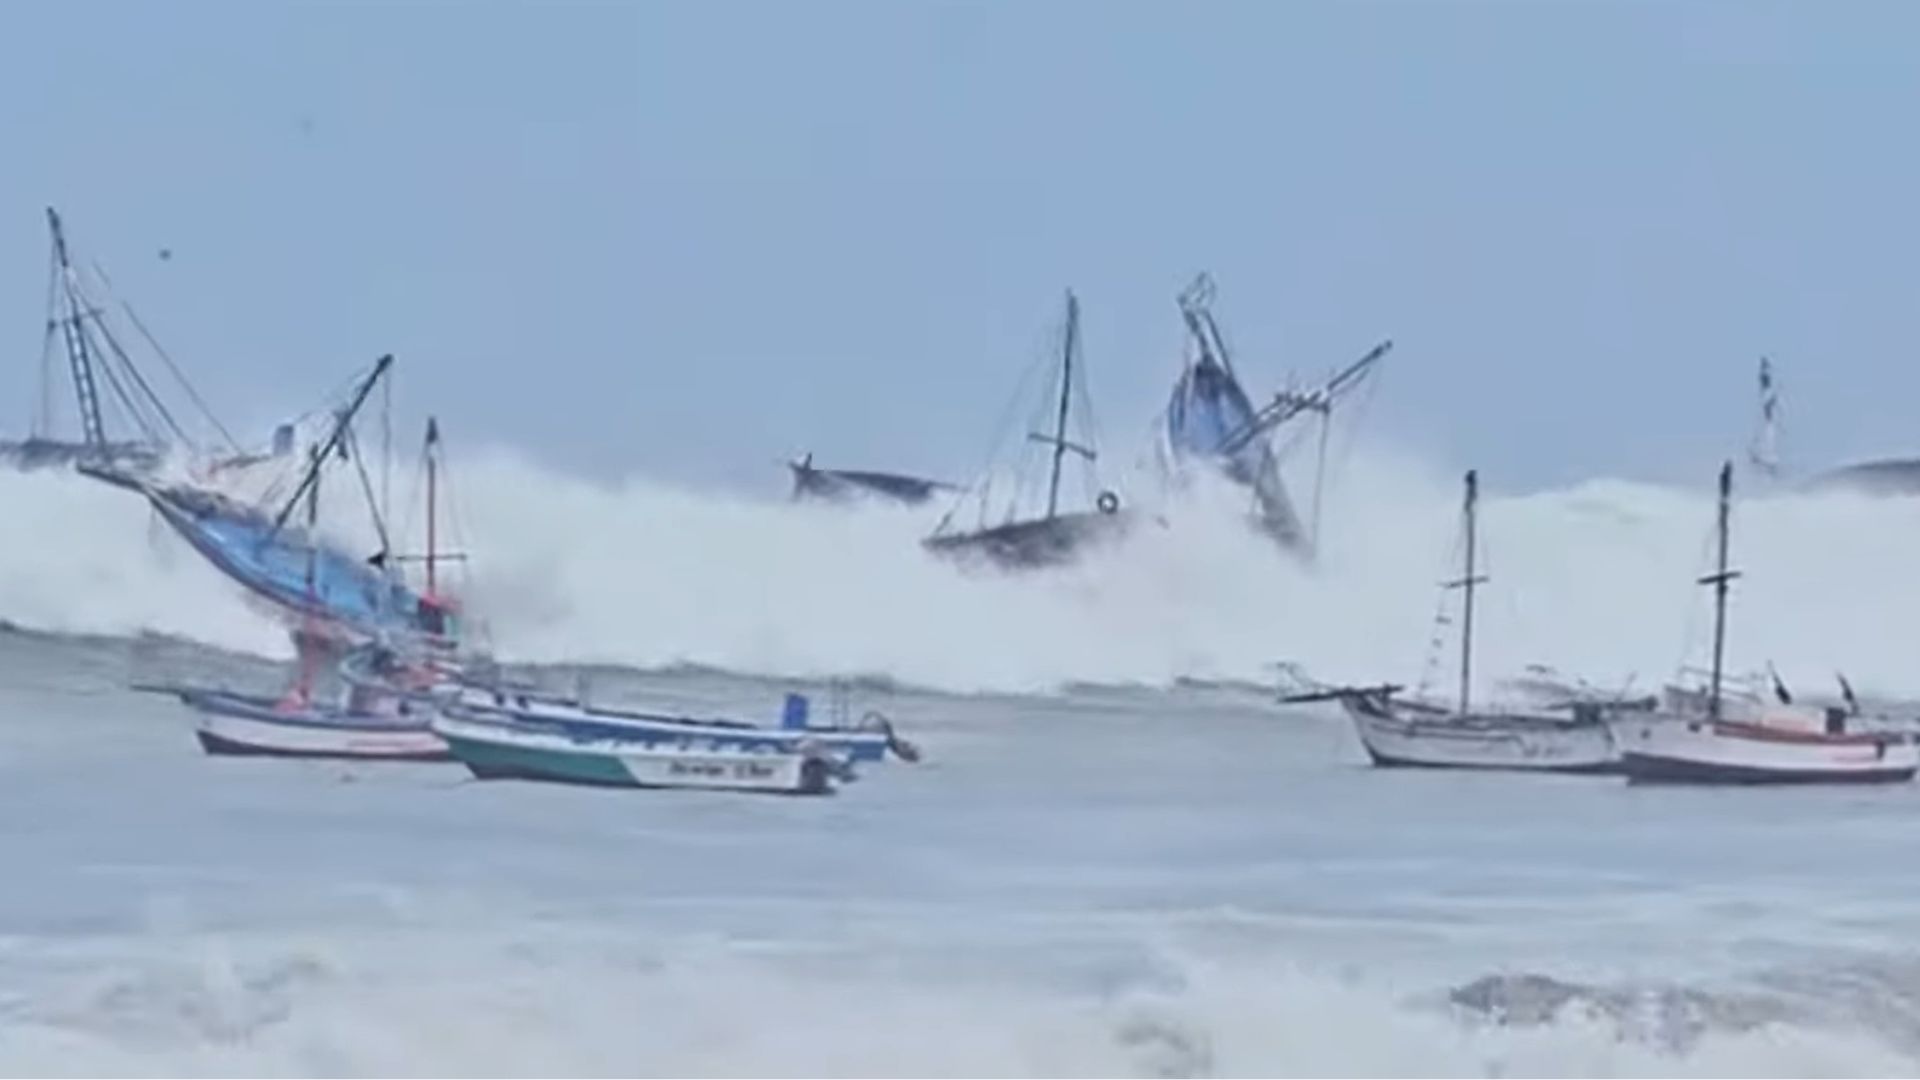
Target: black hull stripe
x,y
220,746
1647,769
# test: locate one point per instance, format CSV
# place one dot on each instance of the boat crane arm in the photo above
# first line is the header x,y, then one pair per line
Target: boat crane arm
x,y
1290,403
333,443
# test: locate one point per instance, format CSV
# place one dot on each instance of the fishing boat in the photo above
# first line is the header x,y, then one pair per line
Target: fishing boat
x,y
296,570
247,725
1883,477
852,485
1053,537
392,686
98,333
1694,740
873,738
513,751
1400,731
1211,422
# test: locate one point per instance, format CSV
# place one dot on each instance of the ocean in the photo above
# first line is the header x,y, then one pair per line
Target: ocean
x,y
1120,856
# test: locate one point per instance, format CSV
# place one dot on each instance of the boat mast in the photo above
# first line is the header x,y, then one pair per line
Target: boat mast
x,y
433,554
79,353
1066,398
1467,582
1719,579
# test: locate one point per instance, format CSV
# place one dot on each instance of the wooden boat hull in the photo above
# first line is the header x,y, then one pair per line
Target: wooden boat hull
x,y
245,726
1525,743
514,752
1033,545
1688,750
576,721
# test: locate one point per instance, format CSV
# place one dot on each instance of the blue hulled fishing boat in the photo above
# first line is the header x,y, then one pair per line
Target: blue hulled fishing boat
x,y
1211,422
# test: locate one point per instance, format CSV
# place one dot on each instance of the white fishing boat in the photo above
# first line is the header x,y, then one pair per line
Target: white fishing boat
x,y
502,751
1693,739
232,724
1398,731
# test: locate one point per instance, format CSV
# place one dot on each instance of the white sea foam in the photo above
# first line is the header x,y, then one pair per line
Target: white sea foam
x,y
1596,579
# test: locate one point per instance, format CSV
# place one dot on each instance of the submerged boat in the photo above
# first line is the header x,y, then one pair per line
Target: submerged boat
x,y
97,337
513,751
849,485
1211,422
1399,731
1053,537
1886,477
1693,739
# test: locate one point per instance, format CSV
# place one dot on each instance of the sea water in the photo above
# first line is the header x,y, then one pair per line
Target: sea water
x,y
1119,857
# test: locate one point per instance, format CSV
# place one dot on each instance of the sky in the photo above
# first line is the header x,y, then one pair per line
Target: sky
x,y
689,241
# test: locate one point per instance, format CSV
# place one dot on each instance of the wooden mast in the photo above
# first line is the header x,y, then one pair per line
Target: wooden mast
x,y
1467,582
433,463
1719,580
1066,399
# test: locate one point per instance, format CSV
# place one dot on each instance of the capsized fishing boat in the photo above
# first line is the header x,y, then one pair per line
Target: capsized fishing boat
x,y
1401,731
873,738
1691,740
850,485
296,570
97,333
1211,422
391,687
494,750
1054,536
1893,476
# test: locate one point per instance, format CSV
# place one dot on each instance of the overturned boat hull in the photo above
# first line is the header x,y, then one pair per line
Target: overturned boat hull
x,y
516,752
243,725
1410,738
1692,750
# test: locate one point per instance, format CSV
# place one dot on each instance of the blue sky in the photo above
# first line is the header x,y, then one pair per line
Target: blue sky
x,y
688,240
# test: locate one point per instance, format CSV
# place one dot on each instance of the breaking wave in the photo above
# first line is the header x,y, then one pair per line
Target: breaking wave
x,y
579,1001
1595,579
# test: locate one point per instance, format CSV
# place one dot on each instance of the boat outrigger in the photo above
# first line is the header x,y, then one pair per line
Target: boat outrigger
x,y
1053,537
1691,739
1399,731
1210,421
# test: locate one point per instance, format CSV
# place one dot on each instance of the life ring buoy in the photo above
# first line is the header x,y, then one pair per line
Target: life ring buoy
x,y
1108,503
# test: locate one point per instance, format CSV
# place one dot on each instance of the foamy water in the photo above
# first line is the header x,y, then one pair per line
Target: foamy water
x,y
1596,580
1116,882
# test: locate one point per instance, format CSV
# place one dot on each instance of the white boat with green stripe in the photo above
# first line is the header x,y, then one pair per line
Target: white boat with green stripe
x,y
507,751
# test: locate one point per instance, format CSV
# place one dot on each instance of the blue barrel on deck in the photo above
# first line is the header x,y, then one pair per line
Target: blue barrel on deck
x,y
795,713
